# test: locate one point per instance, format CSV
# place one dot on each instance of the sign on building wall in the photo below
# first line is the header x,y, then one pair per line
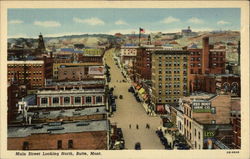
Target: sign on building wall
x,y
96,70
201,106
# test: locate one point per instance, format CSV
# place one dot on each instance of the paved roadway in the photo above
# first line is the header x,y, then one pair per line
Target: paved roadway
x,y
129,111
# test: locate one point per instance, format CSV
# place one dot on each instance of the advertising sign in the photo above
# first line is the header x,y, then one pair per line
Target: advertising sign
x,y
201,106
96,70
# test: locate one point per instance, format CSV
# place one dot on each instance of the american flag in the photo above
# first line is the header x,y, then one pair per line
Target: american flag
x,y
142,30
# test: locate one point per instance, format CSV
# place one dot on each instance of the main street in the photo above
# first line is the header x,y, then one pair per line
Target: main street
x,y
129,111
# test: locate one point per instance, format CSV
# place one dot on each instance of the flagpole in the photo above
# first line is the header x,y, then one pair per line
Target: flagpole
x,y
139,36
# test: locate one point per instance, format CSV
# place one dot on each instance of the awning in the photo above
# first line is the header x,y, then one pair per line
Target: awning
x,y
145,96
142,91
134,84
160,108
138,87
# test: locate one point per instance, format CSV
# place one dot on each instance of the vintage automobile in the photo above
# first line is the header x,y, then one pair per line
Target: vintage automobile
x,y
138,146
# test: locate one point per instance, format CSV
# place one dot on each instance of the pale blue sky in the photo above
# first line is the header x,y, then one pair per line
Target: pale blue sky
x,y
56,22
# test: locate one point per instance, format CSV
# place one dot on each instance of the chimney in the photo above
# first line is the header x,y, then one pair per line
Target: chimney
x,y
205,55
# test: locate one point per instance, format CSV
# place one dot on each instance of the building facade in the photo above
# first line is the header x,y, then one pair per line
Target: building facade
x,y
31,73
169,76
82,135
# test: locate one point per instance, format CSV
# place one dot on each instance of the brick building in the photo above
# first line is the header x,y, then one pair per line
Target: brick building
x,y
205,64
142,65
94,55
72,98
48,116
81,135
169,76
206,114
31,73
70,67
236,122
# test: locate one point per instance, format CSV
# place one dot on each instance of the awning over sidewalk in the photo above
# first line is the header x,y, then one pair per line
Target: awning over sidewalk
x,y
141,91
138,87
160,108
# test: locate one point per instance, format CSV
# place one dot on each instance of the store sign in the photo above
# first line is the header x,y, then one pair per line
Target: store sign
x,y
201,106
96,70
209,134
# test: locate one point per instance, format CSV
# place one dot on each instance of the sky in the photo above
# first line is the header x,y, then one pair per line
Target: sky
x,y
76,21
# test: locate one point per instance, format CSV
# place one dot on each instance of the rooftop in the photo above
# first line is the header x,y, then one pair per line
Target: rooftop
x,y
58,128
65,113
86,82
199,96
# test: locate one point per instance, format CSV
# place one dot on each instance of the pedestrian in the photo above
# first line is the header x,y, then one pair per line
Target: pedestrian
x,y
137,126
129,126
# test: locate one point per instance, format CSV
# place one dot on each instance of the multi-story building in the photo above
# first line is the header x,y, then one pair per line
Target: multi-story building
x,y
94,55
90,68
82,135
204,62
143,63
206,120
236,122
31,72
169,76
65,99
128,56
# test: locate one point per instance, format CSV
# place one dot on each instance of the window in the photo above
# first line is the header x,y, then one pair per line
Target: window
x,y
190,125
25,145
213,110
194,132
55,100
199,135
159,92
44,101
70,144
98,99
88,99
77,99
66,100
59,144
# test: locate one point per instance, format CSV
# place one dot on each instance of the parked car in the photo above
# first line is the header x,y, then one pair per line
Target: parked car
x,y
138,146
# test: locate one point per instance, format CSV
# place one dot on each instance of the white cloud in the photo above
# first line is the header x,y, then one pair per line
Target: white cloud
x,y
222,22
170,19
121,22
15,22
20,36
90,21
47,23
195,20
